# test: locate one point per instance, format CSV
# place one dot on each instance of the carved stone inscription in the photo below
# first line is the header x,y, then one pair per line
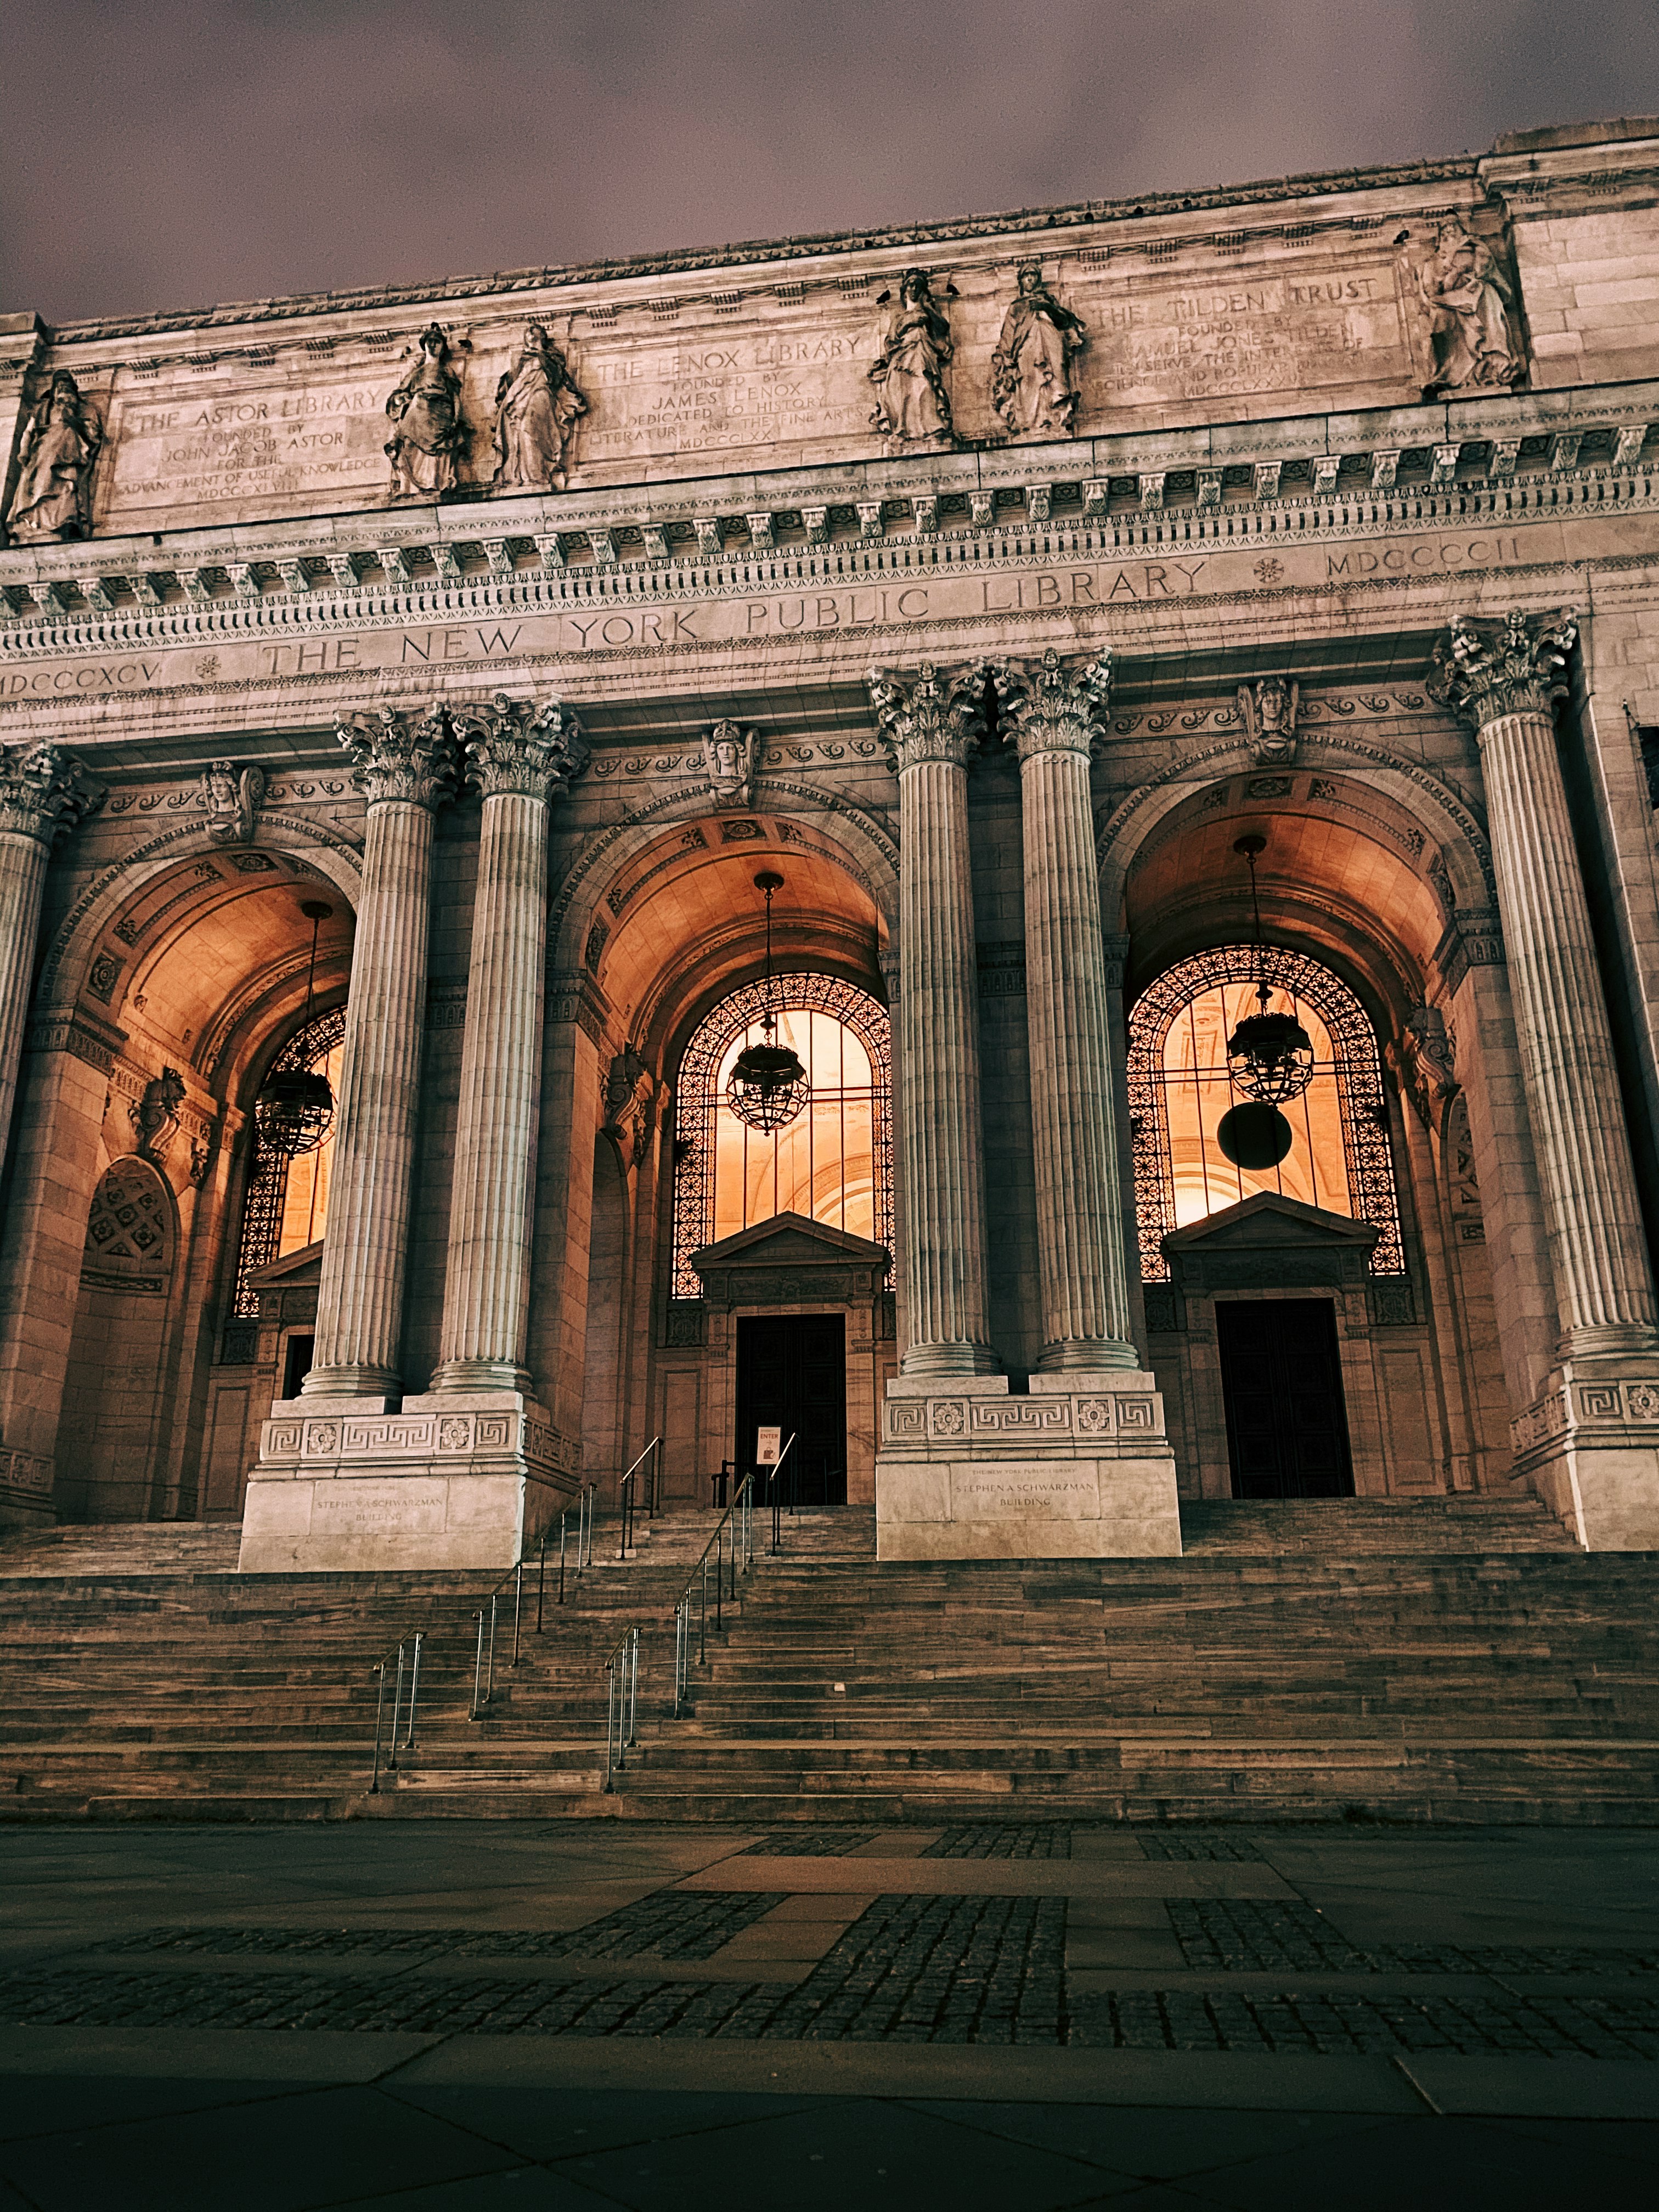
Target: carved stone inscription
x,y
716,388
1302,327
274,442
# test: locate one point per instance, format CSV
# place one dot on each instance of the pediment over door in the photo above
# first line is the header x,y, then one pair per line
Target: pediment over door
x,y
287,1287
1270,1244
790,1261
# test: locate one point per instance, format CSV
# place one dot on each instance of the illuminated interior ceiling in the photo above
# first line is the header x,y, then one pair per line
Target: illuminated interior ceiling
x,y
1342,873
684,913
204,941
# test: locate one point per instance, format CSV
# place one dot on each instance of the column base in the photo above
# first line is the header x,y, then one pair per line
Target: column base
x,y
25,1492
362,1384
1079,1469
451,1479
1590,1447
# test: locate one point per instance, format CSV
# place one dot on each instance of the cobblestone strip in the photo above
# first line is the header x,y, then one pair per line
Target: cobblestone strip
x,y
1159,2019
995,1839
1191,1848
938,1970
806,1843
669,1924
1239,1936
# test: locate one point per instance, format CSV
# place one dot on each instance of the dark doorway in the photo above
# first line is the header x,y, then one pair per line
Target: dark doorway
x,y
792,1374
1287,1432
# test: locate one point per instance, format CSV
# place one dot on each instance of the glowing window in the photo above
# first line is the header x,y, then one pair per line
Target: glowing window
x,y
287,1204
1180,1088
833,1162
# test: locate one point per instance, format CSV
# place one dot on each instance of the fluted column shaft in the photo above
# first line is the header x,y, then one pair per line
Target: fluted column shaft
x,y
43,793
941,1135
1080,1247
1505,683
519,761
404,769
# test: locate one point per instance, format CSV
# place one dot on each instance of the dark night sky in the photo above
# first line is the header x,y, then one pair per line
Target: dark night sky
x,y
160,154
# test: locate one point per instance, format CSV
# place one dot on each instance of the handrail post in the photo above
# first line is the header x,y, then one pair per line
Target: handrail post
x,y
396,1701
541,1580
562,1518
414,1689
518,1606
380,1706
489,1689
477,1669
634,1691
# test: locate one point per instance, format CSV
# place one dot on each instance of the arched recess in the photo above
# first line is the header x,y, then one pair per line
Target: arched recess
x,y
604,1371
114,1403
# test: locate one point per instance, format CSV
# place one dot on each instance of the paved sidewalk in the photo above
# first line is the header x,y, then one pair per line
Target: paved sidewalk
x,y
459,2015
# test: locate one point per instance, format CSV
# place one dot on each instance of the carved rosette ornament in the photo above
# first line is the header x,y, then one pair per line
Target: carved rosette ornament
x,y
401,757
1484,671
515,746
1051,708
43,792
934,715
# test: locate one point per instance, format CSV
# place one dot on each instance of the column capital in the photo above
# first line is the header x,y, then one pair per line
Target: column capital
x,y
1051,708
399,755
520,746
1484,671
44,791
934,716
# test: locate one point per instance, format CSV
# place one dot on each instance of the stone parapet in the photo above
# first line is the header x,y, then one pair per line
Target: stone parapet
x,y
456,1480
1080,1468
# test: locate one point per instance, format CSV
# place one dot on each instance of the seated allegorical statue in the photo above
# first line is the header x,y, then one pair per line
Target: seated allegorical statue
x,y
1033,386
53,498
429,439
539,406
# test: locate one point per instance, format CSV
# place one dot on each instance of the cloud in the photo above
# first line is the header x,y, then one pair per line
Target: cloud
x,y
212,149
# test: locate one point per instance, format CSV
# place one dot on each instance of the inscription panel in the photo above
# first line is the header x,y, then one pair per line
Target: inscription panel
x,y
989,1493
265,445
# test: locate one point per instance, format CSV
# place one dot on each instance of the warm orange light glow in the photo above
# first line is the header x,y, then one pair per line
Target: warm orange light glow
x,y
1198,1091
822,1162
305,1197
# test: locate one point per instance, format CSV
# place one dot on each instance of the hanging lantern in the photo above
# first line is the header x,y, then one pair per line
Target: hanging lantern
x,y
294,1109
1255,1136
767,1086
1270,1057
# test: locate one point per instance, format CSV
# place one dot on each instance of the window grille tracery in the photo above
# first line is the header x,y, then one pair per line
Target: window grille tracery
x,y
701,1104
1353,1070
267,1192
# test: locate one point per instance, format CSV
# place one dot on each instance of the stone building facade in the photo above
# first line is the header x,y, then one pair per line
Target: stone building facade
x,y
1100,624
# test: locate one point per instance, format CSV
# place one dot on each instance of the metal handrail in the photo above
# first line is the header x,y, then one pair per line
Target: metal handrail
x,y
487,1616
622,1700
777,1502
627,1495
736,1522
407,1652
653,1486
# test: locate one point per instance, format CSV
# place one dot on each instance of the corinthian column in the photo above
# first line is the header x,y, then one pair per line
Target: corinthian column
x,y
930,726
521,758
1503,679
1080,1248
43,792
404,768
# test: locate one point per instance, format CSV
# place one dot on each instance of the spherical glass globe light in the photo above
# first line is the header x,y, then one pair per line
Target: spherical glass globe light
x,y
767,1086
293,1112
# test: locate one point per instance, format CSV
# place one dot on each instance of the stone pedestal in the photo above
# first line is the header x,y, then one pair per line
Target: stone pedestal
x,y
447,1480
1079,1469
1590,1443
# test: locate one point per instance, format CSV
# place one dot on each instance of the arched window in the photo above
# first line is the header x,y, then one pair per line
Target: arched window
x,y
288,1199
1180,1088
833,1162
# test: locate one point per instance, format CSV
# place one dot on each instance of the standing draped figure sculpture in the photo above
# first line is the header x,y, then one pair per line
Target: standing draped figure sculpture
x,y
1468,299
54,497
539,405
909,373
1032,384
429,439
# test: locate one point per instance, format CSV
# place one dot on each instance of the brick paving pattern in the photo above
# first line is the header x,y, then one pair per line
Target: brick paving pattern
x,y
806,1843
1241,1936
668,1924
1556,2028
1234,1849
998,1840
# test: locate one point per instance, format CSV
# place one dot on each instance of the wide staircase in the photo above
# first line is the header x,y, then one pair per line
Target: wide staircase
x,y
1453,1659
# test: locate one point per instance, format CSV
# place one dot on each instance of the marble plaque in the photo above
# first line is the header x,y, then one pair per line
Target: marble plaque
x,y
269,445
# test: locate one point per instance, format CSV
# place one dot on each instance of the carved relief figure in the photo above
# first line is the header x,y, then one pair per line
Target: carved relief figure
x,y
1032,385
54,497
231,800
539,404
1468,298
628,1103
429,439
731,759
1267,711
155,1117
909,373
